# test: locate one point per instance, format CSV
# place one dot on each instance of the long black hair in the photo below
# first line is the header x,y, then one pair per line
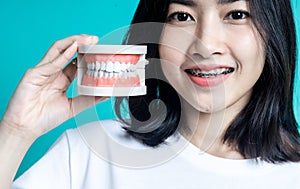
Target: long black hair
x,y
266,128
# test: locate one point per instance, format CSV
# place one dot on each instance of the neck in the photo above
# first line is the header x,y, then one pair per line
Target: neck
x,y
206,130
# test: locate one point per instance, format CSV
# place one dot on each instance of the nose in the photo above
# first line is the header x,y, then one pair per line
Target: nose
x,y
208,40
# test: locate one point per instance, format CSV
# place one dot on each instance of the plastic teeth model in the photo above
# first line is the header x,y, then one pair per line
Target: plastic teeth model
x,y
111,70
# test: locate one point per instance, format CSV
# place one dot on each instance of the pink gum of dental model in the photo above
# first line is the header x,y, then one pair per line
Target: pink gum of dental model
x,y
133,58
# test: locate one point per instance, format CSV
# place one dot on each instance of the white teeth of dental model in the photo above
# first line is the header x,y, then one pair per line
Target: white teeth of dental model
x,y
112,67
131,74
98,65
109,67
89,66
117,67
123,66
116,75
100,73
132,68
102,66
95,74
89,72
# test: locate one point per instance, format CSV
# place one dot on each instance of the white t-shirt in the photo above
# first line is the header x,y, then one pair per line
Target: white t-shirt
x,y
102,155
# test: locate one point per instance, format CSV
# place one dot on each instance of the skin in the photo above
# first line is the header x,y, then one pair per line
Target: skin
x,y
210,35
40,104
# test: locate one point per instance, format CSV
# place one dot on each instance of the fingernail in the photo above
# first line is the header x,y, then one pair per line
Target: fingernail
x,y
91,37
88,37
71,50
95,38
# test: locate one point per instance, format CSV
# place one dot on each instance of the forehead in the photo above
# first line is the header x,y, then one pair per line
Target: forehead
x,y
194,2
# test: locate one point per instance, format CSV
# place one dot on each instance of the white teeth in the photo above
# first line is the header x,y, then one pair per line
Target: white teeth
x,y
95,74
211,73
123,66
121,74
89,73
98,65
100,73
102,66
222,70
218,71
124,75
117,67
132,74
89,66
132,68
109,67
128,66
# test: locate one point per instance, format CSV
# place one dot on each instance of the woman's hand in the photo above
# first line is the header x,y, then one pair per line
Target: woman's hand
x,y
39,103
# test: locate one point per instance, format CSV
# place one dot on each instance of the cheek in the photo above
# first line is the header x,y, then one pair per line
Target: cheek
x,y
248,51
174,43
170,55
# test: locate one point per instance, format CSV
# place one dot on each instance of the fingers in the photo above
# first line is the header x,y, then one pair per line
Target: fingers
x,y
63,58
60,46
59,55
80,103
57,64
70,70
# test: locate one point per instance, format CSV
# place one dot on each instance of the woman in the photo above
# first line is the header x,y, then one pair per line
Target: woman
x,y
231,125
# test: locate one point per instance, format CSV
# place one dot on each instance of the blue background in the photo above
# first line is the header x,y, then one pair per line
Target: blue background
x,y
28,28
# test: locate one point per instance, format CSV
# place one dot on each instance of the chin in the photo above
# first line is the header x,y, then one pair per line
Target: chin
x,y
204,106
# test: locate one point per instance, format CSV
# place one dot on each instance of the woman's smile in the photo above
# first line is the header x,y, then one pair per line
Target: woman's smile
x,y
209,76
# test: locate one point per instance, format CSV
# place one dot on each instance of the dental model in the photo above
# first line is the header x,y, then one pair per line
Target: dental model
x,y
111,70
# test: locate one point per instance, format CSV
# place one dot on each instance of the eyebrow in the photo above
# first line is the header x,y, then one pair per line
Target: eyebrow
x,y
193,3
184,2
228,1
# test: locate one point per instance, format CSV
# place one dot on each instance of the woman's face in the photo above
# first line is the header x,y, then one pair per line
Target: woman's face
x,y
211,53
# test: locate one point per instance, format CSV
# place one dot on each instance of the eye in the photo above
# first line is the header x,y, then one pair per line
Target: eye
x,y
238,15
180,17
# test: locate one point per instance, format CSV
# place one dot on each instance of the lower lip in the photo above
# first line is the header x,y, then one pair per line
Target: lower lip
x,y
209,82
